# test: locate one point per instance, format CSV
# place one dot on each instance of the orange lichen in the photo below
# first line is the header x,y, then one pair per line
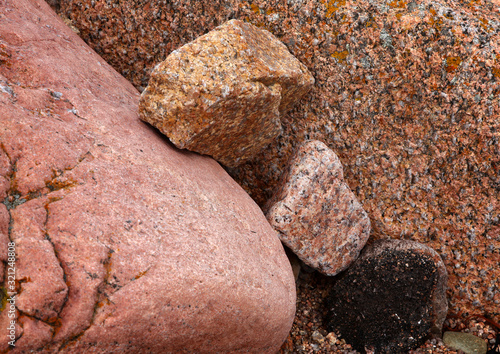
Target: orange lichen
x,y
141,274
472,4
332,6
3,297
435,21
485,24
340,56
496,71
399,4
270,12
371,23
452,64
54,199
57,184
255,8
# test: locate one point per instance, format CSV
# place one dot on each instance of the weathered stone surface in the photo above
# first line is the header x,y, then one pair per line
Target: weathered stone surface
x,y
466,342
406,93
222,94
124,243
391,298
315,213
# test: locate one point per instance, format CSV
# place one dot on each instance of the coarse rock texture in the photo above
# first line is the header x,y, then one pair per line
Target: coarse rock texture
x,y
310,333
391,298
466,342
124,243
222,94
406,94
315,213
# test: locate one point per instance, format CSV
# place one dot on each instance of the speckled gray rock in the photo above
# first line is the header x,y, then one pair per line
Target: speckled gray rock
x,y
466,342
222,94
391,298
315,213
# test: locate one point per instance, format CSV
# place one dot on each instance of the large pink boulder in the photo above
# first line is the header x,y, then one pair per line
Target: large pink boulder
x,y
123,243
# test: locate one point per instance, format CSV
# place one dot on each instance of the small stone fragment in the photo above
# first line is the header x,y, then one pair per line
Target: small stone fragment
x,y
315,213
223,93
332,338
317,337
466,342
391,298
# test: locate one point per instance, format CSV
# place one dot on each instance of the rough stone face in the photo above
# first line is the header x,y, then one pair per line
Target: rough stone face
x,y
391,298
466,342
124,243
406,94
315,213
222,94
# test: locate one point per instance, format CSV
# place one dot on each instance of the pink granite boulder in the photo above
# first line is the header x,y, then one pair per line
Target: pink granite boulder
x,y
315,212
123,243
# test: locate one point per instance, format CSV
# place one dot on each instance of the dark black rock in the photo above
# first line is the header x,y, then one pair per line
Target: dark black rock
x,y
391,298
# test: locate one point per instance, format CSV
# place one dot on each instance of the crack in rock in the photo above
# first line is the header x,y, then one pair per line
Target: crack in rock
x,y
56,183
57,322
14,199
100,298
9,205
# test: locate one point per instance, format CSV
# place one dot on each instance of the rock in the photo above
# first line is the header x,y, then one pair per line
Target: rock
x,y
391,298
222,94
406,94
315,213
317,337
294,262
123,242
466,342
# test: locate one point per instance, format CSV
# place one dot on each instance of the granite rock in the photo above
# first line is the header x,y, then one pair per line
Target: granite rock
x,y
391,298
222,94
406,94
315,213
123,242
466,342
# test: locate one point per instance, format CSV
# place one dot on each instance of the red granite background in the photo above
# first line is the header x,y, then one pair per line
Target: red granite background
x,y
406,94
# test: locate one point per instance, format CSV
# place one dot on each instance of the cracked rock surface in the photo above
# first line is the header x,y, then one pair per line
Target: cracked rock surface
x,y
222,94
123,242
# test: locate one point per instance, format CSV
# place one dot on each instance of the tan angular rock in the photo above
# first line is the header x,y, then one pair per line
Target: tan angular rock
x,y
315,212
222,94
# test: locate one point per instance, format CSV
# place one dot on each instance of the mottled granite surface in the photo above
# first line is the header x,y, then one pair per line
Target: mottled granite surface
x,y
406,93
315,213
